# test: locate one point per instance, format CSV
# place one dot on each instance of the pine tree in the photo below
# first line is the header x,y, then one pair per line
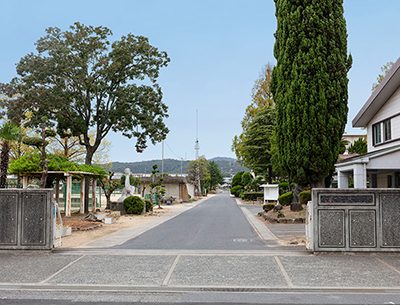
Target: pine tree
x,y
309,85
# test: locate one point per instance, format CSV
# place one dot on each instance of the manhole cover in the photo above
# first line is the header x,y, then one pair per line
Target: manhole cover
x,y
242,240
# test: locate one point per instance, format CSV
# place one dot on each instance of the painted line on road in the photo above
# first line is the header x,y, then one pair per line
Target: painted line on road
x,y
283,271
62,269
171,270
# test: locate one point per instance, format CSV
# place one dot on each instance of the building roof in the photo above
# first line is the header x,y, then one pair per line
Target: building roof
x,y
370,155
389,84
167,179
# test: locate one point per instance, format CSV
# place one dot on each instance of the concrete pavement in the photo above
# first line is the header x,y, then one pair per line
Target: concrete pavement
x,y
99,267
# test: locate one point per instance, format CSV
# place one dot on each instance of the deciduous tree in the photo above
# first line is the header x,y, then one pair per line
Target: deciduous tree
x,y
197,171
385,69
261,97
255,143
82,80
309,85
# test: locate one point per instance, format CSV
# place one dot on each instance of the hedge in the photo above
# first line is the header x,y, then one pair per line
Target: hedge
x,y
252,195
236,190
268,207
305,197
286,199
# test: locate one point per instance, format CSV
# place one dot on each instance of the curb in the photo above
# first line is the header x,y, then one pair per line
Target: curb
x,y
282,220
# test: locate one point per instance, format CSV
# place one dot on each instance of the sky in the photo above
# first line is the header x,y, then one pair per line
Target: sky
x,y
217,50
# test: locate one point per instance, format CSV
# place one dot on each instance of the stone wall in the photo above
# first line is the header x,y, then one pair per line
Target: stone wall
x,y
26,219
355,220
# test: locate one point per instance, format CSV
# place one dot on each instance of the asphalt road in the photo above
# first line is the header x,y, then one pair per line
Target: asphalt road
x,y
216,224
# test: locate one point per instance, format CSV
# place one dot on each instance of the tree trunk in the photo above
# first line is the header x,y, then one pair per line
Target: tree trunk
x,y
318,184
43,180
270,174
88,161
5,157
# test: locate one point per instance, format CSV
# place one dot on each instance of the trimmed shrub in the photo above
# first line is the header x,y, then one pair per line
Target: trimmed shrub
x,y
253,195
149,205
285,185
246,178
133,205
305,197
286,199
236,190
268,207
237,179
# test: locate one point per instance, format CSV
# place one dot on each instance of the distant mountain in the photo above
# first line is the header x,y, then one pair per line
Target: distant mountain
x,y
223,159
228,166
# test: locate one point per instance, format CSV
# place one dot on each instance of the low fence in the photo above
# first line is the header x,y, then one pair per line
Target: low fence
x,y
26,219
354,220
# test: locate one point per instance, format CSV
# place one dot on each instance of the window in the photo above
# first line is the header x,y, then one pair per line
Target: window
x,y
387,130
377,133
382,132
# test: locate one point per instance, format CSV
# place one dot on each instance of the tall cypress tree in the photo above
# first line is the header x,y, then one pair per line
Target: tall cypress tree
x,y
309,85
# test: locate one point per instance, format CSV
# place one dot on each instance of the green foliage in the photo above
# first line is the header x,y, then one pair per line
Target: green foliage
x,y
155,185
253,146
50,133
216,178
237,190
246,178
30,163
285,185
200,167
83,77
305,196
237,179
252,195
359,147
286,199
343,144
268,207
309,85
281,215
385,69
33,141
109,186
132,180
8,132
133,205
149,205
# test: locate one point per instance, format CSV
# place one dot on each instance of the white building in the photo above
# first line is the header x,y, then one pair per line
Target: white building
x,y
381,117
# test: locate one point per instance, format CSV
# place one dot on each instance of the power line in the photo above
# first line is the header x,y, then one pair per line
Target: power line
x,y
172,150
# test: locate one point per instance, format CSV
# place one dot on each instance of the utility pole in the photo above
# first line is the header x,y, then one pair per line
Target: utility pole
x,y
197,148
162,160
